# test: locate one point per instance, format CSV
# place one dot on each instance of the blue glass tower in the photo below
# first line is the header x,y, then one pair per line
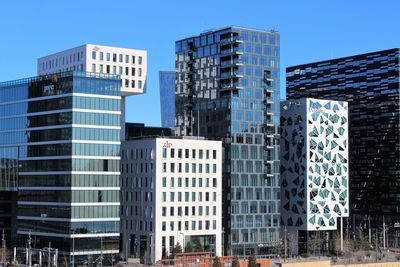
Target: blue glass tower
x,y
64,131
167,98
227,88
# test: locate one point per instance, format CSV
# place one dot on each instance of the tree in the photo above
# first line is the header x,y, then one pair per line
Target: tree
x,y
235,262
252,261
198,247
217,262
188,247
177,249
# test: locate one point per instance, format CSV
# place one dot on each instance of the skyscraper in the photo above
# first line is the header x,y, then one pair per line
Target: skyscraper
x,y
227,88
370,84
314,169
64,131
167,98
129,64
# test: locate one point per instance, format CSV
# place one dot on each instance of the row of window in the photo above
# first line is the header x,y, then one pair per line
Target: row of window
x,y
186,197
87,196
67,212
184,211
61,61
255,208
99,165
117,57
75,180
196,168
195,182
185,153
255,221
195,225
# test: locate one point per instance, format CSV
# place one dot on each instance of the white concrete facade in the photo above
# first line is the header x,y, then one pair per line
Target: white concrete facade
x,y
171,193
314,164
130,64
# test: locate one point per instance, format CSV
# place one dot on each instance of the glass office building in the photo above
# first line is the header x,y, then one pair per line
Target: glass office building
x,y
370,84
227,88
64,130
167,98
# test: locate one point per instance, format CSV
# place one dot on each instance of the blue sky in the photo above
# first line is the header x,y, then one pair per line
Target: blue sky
x,y
310,31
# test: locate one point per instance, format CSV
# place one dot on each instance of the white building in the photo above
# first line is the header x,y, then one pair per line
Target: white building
x,y
314,164
171,193
129,64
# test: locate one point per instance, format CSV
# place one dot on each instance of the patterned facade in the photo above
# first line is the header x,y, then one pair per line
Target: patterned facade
x,y
227,88
314,163
370,84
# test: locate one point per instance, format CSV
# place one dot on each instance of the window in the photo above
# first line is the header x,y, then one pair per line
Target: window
x,y
140,84
172,182
114,70
193,225
172,166
207,168
126,83
101,68
164,152
179,153
140,72
133,59
193,153
186,182
172,196
133,70
94,55
207,154
101,56
108,56
120,57
164,226
214,182
140,60
193,182
193,167
108,69
132,83
186,153
114,57
214,168
172,153
126,71
200,182
164,211
214,154
164,182
126,58
120,70
201,154
164,167
164,197
93,67
179,181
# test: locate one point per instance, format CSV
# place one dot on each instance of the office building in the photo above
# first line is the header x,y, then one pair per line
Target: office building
x,y
227,88
139,130
171,193
63,131
129,64
370,84
314,168
167,98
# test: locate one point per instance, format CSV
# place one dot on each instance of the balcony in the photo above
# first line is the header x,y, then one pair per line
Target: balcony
x,y
231,40
231,75
230,86
231,63
229,52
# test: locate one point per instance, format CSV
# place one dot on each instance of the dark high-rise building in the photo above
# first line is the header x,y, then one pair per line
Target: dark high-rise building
x,y
370,84
167,98
227,88
63,130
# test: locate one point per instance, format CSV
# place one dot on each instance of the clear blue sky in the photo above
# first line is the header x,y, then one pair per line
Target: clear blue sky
x,y
310,31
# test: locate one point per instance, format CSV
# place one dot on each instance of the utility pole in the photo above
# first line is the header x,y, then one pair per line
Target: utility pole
x,y
29,250
3,246
285,244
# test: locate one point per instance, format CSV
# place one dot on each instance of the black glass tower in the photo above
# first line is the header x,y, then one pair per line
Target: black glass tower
x,y
227,88
370,84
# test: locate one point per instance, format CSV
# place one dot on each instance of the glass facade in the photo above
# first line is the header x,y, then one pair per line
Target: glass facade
x,y
167,98
65,132
370,84
227,88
